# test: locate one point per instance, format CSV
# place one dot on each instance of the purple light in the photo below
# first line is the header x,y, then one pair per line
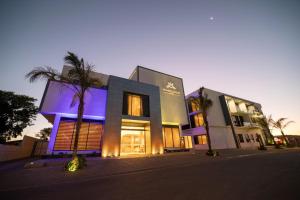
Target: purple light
x,y
58,100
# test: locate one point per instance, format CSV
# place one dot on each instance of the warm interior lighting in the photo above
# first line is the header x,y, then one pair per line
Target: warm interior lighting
x,y
170,123
132,142
198,119
195,106
161,150
132,128
135,106
171,137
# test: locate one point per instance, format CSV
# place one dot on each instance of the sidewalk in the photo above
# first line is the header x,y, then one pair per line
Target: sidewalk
x,y
13,178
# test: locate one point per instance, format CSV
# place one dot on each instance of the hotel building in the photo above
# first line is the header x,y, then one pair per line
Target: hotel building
x,y
233,122
145,114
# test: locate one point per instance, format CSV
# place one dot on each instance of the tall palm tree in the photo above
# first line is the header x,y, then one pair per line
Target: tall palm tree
x,y
204,103
78,79
281,124
266,123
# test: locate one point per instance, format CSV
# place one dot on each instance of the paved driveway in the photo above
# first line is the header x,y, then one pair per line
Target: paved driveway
x,y
274,174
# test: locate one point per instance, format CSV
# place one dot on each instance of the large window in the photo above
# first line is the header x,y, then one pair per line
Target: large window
x,y
195,106
171,137
89,136
198,120
188,142
135,105
200,139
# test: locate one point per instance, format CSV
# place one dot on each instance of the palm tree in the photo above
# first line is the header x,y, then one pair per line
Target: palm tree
x,y
44,134
266,123
282,124
204,103
78,79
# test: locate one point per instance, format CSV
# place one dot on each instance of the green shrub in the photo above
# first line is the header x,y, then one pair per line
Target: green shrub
x,y
78,162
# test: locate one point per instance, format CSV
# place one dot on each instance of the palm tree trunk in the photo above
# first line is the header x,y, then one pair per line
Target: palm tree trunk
x,y
78,124
207,131
284,138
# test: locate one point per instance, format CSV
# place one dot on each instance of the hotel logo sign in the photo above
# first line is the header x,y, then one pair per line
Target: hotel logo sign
x,y
171,89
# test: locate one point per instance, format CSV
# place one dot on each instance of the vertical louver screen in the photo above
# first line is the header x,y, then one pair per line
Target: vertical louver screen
x,y
89,137
64,135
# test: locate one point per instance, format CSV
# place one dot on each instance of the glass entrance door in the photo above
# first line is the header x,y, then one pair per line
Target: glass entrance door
x,y
132,142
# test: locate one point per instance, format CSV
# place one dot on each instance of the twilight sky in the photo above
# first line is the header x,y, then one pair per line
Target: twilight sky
x,y
249,49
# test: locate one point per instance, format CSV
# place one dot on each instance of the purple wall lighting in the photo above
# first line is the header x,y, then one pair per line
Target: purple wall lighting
x,y
58,98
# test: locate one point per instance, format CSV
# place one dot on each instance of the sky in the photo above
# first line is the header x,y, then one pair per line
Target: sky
x,y
249,49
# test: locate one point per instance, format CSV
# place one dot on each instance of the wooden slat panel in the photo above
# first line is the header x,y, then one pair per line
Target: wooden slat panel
x,y
64,135
89,137
95,135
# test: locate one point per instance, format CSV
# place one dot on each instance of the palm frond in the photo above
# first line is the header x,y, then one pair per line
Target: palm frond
x,y
287,124
72,60
43,73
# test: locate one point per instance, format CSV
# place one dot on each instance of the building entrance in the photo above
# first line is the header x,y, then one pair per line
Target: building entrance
x,y
132,142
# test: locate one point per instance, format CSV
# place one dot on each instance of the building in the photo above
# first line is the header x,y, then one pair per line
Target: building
x,y
144,115
233,122
139,115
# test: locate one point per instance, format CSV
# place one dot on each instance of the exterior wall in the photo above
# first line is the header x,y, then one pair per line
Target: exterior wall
x,y
40,148
172,99
58,98
221,134
112,132
13,152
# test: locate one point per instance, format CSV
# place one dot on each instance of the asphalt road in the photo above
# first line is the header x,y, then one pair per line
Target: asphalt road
x,y
263,176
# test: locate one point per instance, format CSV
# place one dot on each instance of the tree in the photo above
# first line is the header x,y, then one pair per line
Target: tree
x,y
266,123
80,80
204,103
16,113
281,124
44,134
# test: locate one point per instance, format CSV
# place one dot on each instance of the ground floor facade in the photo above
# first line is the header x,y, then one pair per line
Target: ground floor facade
x,y
134,138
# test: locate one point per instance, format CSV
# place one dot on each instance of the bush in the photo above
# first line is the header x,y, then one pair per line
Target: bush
x,y
78,162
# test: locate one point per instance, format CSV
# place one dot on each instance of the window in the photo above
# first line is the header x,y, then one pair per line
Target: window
x,y
237,120
247,138
200,139
135,105
198,118
188,142
241,138
195,106
252,138
89,137
171,137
